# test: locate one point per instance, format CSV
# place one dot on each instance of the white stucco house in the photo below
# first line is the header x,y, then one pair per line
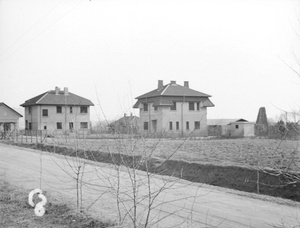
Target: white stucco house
x,y
57,111
175,110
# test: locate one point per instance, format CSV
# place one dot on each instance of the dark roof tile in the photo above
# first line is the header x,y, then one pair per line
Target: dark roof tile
x,y
50,98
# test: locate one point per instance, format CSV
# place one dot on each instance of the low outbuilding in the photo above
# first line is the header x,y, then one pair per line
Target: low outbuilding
x,y
230,127
9,120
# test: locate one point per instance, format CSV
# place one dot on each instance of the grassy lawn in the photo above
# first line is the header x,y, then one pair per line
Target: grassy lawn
x,y
16,212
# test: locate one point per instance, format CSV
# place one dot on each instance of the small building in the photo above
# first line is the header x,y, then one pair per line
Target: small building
x,y
9,120
57,111
125,125
173,110
230,127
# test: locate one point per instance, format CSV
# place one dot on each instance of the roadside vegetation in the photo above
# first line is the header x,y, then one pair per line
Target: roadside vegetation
x,y
16,212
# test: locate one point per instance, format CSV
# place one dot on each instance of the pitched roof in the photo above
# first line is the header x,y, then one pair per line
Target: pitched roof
x,y
50,98
3,104
126,120
173,89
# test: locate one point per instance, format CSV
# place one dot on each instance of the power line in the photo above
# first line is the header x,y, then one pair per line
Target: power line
x,y
31,27
40,33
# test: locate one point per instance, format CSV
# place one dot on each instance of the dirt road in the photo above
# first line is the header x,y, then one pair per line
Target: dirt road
x,y
181,204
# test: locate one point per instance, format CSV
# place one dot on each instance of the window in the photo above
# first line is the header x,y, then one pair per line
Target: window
x,y
191,106
83,125
145,126
197,124
29,126
29,110
171,126
83,109
236,126
177,125
59,125
58,109
145,107
71,109
187,125
45,112
45,127
173,107
71,126
198,106
155,108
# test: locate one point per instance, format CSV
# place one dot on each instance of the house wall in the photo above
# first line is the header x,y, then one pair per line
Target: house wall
x,y
245,129
8,116
40,122
164,115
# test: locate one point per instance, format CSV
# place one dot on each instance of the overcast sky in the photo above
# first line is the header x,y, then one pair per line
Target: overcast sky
x,y
111,51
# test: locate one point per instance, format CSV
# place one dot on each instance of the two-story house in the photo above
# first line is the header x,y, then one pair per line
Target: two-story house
x,y
173,109
57,111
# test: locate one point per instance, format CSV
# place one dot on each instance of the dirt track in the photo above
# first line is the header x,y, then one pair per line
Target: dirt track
x,y
210,206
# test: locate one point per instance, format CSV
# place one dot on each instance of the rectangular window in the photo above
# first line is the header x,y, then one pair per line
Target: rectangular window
x,y
83,109
198,106
236,126
45,112
58,109
173,107
197,124
191,106
71,126
177,125
83,125
155,108
146,126
29,110
45,127
171,126
59,125
71,109
29,126
187,125
145,107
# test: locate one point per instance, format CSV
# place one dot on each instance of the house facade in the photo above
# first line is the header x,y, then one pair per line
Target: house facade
x,y
173,110
57,111
9,120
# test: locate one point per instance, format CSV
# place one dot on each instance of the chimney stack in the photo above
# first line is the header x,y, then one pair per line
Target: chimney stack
x,y
160,84
186,84
57,90
173,82
66,91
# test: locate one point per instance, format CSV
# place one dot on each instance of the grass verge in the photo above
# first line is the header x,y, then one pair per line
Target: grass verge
x,y
16,212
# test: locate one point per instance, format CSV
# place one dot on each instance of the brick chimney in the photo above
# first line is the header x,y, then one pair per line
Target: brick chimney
x,y
160,84
66,91
186,84
173,82
57,90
